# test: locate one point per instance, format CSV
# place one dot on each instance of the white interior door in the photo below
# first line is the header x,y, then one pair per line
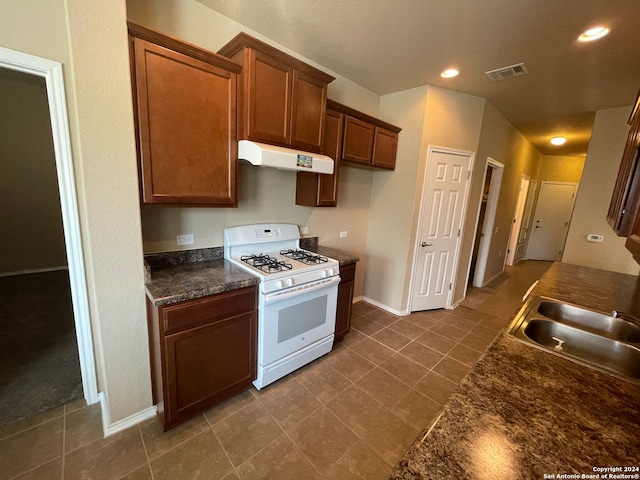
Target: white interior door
x,y
442,212
514,236
551,220
521,249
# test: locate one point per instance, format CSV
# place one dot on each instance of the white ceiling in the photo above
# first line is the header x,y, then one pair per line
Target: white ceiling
x,y
393,45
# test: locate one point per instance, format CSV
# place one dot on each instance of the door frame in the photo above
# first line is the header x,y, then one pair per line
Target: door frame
x,y
465,208
518,217
51,72
489,220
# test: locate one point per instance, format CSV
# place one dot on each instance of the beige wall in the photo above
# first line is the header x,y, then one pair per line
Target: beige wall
x,y
500,141
264,194
89,39
556,168
429,116
31,236
609,135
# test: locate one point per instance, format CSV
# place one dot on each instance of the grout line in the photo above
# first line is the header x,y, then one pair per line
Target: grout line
x,y
233,467
146,453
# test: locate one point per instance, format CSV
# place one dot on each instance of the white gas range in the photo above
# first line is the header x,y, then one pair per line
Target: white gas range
x,y
297,296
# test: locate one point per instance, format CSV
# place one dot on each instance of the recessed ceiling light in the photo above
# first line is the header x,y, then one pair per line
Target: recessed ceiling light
x,y
593,34
449,73
558,140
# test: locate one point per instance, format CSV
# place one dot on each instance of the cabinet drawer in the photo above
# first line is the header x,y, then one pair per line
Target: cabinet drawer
x,y
192,313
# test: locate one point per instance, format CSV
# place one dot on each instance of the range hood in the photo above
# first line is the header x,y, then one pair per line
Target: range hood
x,y
265,155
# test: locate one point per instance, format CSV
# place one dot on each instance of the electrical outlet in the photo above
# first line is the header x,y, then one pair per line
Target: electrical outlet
x,y
344,234
186,239
304,230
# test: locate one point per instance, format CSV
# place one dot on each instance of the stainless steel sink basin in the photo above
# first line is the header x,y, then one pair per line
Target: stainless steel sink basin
x,y
594,322
581,335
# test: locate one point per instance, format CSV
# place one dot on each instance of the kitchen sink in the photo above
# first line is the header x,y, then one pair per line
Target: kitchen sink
x,y
581,335
594,322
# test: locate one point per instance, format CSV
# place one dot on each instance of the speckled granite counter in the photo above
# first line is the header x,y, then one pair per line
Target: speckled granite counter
x,y
523,413
184,275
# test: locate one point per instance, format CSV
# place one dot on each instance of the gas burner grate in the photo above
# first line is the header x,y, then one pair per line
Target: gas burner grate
x,y
265,263
304,256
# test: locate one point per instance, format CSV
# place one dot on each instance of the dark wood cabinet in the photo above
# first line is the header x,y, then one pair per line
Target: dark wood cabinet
x,y
357,141
345,300
321,190
385,145
283,98
366,141
185,114
202,351
624,210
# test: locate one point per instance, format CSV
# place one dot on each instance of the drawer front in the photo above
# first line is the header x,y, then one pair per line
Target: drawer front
x,y
193,313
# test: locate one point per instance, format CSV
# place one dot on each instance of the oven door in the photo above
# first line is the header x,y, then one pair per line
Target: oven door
x,y
296,318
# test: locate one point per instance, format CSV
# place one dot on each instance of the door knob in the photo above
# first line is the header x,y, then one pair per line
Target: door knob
x,y
425,244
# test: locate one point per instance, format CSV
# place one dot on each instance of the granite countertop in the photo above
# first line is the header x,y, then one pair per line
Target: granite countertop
x,y
184,275
524,413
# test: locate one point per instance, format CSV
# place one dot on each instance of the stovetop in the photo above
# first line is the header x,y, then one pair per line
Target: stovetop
x,y
272,252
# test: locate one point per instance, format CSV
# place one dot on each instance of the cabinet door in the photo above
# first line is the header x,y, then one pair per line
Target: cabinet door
x,y
357,144
345,300
308,112
207,364
320,190
384,149
267,106
186,115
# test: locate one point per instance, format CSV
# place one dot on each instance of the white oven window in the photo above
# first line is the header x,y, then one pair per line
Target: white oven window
x,y
301,317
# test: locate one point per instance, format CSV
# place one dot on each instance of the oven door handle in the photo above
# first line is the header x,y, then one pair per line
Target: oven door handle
x,y
295,291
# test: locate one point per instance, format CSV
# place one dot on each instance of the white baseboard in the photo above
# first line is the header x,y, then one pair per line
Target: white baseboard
x,y
34,270
400,313
109,429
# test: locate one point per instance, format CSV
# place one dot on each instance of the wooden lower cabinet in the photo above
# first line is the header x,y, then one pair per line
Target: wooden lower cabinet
x,y
345,300
203,351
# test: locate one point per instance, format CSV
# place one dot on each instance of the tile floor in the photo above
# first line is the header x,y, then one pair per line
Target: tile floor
x,y
349,415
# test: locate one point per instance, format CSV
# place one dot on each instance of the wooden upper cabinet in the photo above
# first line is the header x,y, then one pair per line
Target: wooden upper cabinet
x,y
366,141
283,98
268,84
385,145
185,112
625,201
321,190
357,141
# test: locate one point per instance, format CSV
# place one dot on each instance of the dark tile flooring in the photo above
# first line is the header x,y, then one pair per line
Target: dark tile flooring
x,y
349,415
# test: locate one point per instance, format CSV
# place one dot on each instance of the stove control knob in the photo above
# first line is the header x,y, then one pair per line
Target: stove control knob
x,y
323,274
331,272
279,284
289,282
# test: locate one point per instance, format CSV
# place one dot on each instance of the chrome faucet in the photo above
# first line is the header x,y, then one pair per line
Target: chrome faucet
x,y
626,316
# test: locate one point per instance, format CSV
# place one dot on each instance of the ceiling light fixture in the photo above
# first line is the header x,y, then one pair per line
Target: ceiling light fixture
x,y
558,140
593,34
449,73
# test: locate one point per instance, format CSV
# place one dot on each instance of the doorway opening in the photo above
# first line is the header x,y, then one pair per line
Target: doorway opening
x,y
492,182
51,73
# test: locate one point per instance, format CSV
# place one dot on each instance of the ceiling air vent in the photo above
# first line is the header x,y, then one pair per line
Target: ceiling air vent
x,y
505,73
